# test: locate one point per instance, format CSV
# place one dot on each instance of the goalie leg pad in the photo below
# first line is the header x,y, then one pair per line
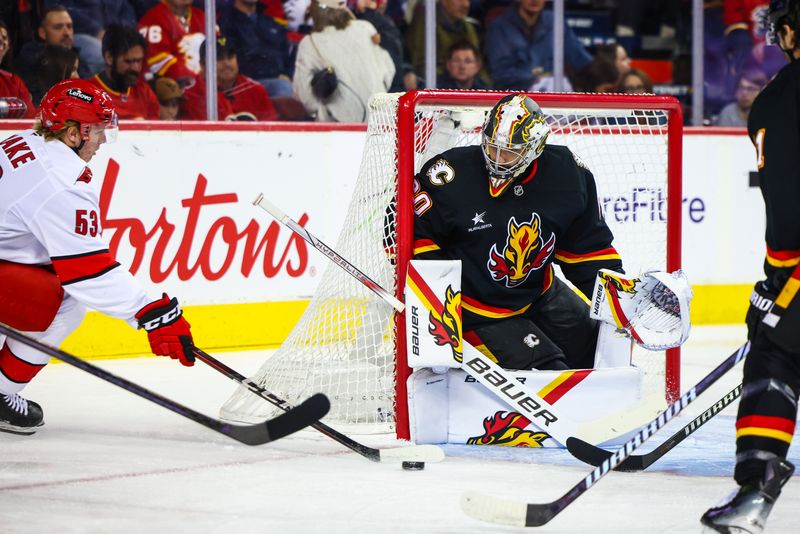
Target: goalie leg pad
x,y
30,296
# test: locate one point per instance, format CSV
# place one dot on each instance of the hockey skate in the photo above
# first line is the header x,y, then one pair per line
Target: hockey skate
x,y
18,415
746,510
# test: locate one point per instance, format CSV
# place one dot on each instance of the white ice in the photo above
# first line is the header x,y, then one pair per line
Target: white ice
x,y
108,461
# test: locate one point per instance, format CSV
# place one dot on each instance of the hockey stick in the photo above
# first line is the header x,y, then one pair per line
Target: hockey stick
x,y
310,411
592,455
373,286
413,453
521,514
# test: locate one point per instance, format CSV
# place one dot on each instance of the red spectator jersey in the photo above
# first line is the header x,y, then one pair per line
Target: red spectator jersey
x,y
174,42
138,102
744,15
12,85
249,100
193,105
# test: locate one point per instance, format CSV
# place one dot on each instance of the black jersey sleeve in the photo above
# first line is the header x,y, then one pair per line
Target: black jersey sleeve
x,y
586,246
431,227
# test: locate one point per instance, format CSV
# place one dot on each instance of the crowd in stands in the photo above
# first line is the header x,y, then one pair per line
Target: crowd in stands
x,y
323,59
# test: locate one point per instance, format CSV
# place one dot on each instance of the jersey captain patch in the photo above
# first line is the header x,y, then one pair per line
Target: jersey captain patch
x,y
524,252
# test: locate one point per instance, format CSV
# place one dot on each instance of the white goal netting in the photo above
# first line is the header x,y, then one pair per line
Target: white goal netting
x,y
344,343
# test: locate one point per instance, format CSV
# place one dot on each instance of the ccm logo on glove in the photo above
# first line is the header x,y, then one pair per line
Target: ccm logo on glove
x,y
168,332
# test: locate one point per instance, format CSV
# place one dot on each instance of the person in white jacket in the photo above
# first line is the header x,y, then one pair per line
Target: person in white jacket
x,y
350,48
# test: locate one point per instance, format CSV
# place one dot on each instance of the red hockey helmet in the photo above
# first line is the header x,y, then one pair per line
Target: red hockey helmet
x,y
80,101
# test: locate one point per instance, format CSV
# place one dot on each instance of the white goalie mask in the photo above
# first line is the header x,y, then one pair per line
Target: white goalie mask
x,y
514,135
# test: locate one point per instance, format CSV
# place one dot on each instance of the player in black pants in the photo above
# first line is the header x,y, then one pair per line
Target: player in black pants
x,y
771,385
510,209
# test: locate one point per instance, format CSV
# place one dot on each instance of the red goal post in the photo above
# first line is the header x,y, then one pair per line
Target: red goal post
x,y
407,113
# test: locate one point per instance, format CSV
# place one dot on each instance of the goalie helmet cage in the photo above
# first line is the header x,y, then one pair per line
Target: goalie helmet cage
x,y
350,345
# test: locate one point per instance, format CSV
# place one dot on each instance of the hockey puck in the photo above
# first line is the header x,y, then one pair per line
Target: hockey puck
x,y
413,466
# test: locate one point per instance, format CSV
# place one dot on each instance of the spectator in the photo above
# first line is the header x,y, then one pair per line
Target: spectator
x,y
735,114
636,81
462,68
745,43
348,46
519,46
123,54
174,30
90,18
55,28
55,63
12,85
169,95
193,104
248,98
405,79
261,44
616,55
598,76
452,26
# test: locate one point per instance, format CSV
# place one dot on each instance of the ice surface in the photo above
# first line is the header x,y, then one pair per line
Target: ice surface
x,y
108,461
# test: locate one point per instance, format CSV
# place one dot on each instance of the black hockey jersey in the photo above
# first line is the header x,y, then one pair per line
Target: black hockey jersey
x,y
774,128
508,244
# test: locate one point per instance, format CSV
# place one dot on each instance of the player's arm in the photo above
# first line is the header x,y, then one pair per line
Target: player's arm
x,y
68,225
431,229
586,246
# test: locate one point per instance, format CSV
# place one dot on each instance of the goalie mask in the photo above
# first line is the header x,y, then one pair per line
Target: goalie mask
x,y
514,135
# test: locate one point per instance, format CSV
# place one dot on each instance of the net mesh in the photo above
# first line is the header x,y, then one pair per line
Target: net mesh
x,y
344,343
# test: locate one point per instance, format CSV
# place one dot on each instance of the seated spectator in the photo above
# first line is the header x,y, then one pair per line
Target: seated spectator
x,y
55,28
123,53
405,79
12,85
54,63
174,30
745,41
735,114
616,55
636,81
347,46
519,45
169,95
598,76
193,105
248,98
90,18
452,26
261,45
462,68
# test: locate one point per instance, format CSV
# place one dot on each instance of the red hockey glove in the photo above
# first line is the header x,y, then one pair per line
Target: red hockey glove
x,y
168,332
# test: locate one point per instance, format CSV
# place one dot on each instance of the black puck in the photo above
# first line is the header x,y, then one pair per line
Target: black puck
x,y
414,466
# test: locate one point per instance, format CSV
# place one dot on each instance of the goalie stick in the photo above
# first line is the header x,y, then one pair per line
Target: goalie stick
x,y
593,455
521,514
332,255
413,453
310,411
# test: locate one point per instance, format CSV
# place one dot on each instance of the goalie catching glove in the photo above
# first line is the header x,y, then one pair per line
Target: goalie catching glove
x,y
653,308
168,332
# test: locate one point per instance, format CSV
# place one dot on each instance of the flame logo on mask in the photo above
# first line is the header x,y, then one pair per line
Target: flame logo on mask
x,y
508,429
621,285
447,329
524,252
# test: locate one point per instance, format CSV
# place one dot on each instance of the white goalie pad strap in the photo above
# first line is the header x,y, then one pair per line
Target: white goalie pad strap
x,y
652,308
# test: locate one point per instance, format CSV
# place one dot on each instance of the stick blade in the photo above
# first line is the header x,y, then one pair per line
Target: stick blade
x,y
493,510
592,455
306,413
413,453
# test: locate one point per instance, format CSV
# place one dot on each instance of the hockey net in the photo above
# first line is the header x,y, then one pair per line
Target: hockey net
x,y
350,345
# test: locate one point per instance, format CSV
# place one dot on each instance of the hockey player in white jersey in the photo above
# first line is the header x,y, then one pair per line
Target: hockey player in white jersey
x,y
53,262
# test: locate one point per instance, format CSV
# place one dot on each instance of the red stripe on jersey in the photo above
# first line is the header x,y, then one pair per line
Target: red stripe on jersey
x,y
71,269
15,369
780,424
783,258
587,256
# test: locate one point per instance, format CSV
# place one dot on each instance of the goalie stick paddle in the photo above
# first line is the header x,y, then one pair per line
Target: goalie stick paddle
x,y
593,455
413,453
332,255
311,410
521,514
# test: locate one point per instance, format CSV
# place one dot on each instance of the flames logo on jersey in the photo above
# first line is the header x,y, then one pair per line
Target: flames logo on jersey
x,y
623,285
447,330
525,251
508,429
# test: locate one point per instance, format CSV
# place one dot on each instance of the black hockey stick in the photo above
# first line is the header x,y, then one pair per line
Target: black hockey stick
x,y
413,453
310,411
520,514
593,455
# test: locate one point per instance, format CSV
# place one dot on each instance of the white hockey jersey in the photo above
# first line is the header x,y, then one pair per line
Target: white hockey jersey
x,y
49,214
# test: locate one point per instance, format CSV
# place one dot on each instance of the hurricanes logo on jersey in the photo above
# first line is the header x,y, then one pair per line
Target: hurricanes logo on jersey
x,y
525,251
447,329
